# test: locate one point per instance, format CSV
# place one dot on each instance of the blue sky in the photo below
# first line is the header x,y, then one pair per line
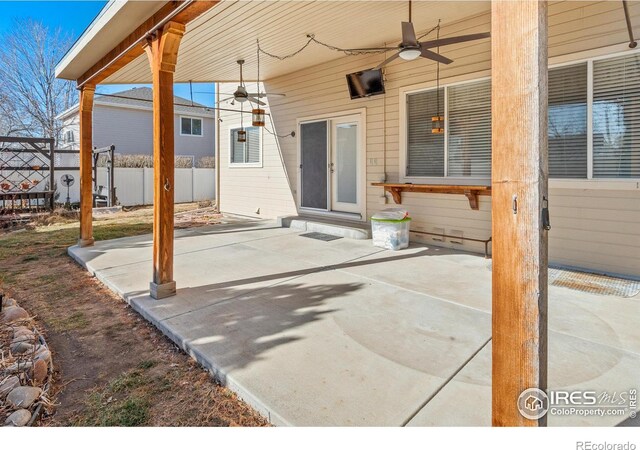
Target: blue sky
x,y
74,17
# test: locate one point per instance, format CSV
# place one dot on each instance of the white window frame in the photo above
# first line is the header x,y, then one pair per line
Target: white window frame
x,y
259,164
432,85
587,57
192,118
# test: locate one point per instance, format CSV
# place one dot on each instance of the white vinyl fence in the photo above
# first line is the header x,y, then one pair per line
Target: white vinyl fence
x,y
135,186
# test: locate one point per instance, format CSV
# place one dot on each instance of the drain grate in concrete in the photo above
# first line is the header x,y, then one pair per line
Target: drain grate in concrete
x,y
594,283
320,236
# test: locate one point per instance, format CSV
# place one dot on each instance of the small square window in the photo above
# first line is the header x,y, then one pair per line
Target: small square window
x,y
190,126
249,152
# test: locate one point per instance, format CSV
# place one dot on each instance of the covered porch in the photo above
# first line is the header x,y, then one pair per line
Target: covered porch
x,y
342,333
339,332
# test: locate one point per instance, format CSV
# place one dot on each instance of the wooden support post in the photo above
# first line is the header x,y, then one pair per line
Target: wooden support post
x,y
86,160
162,51
519,184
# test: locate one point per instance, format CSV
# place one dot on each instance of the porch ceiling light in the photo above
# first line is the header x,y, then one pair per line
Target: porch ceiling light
x,y
409,53
257,117
242,136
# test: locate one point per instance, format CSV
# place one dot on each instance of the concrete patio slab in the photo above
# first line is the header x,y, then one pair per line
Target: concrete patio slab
x,y
343,333
574,364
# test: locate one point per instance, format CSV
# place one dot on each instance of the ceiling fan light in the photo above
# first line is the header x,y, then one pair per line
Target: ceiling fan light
x,y
409,54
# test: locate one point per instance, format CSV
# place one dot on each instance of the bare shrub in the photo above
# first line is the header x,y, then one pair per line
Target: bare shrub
x,y
133,161
206,162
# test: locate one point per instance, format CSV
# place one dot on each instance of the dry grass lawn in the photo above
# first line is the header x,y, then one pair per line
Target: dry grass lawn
x,y
112,367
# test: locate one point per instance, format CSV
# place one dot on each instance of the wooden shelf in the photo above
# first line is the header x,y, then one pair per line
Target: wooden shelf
x,y
471,192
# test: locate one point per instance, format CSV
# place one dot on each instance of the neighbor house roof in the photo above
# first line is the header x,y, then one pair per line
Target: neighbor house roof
x,y
142,98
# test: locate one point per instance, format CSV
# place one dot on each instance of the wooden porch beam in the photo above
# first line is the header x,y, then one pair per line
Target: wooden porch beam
x,y
133,45
162,52
86,161
519,185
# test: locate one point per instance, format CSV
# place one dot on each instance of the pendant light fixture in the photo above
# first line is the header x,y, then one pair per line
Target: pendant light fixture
x,y
242,134
437,122
257,113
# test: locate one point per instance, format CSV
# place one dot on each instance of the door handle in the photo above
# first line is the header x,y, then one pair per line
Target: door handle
x,y
331,168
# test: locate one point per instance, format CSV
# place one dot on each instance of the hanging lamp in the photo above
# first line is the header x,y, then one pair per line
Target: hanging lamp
x,y
242,134
437,122
257,113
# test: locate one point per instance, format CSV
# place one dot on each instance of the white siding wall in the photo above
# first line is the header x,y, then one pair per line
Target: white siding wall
x,y
592,228
253,191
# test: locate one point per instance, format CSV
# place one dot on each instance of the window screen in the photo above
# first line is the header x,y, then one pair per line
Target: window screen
x,y
469,128
568,122
425,150
616,117
245,152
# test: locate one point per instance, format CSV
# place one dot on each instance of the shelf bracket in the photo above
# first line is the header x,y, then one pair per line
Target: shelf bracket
x,y
396,194
473,199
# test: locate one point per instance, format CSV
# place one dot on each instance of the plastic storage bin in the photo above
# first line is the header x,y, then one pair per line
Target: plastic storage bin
x,y
390,229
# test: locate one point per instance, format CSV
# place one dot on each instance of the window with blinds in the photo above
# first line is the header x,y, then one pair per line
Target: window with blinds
x,y
245,152
567,130
616,117
469,130
425,150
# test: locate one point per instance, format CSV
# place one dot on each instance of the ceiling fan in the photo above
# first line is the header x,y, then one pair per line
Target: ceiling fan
x,y
242,95
410,48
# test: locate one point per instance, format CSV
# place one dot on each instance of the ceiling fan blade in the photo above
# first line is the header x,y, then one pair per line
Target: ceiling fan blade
x,y
255,100
454,40
227,99
409,35
435,57
264,94
388,60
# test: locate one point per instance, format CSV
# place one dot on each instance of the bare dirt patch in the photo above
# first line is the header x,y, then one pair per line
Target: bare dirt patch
x,y
111,366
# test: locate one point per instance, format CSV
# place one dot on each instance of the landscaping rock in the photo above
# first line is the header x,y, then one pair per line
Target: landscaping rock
x,y
40,371
24,338
8,385
19,366
42,354
18,418
13,313
19,348
6,302
19,332
23,396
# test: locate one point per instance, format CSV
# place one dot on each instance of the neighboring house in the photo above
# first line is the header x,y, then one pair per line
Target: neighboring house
x,y
124,119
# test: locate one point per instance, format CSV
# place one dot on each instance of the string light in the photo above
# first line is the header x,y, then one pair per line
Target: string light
x,y
311,38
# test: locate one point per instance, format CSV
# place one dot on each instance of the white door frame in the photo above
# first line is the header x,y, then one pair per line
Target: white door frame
x,y
361,117
334,169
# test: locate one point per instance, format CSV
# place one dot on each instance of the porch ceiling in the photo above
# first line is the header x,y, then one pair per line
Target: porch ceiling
x,y
228,32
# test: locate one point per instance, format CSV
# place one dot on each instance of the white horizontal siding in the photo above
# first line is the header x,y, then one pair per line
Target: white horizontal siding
x,y
252,191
